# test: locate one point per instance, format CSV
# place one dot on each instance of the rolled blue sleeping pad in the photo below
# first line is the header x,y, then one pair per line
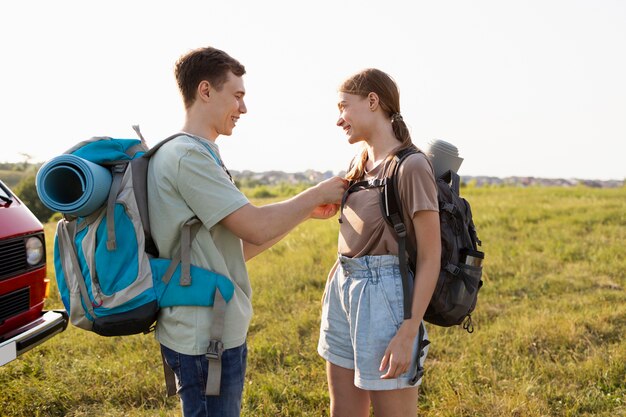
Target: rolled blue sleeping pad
x,y
72,185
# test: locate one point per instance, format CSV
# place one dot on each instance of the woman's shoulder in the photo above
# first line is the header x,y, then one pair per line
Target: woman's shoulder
x,y
416,181
416,163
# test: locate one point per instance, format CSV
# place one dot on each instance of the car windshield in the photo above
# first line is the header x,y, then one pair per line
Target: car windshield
x,y
5,197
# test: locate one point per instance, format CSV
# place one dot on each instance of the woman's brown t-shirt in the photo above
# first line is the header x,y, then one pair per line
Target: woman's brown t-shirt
x,y
364,231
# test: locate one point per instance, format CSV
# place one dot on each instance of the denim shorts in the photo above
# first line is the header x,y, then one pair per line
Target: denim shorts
x,y
191,377
362,311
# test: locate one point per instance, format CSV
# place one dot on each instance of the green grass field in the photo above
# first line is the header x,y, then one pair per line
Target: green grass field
x,y
549,340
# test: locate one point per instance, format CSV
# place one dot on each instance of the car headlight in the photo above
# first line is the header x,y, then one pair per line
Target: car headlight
x,y
34,251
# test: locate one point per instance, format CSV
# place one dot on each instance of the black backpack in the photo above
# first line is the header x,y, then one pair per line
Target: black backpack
x,y
455,295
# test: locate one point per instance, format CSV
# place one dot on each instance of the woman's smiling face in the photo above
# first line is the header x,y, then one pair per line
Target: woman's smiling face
x,y
354,116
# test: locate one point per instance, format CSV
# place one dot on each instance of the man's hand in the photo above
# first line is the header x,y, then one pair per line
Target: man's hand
x,y
331,190
325,211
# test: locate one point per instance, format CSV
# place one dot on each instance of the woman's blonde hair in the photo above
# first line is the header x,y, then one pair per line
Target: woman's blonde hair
x,y
372,80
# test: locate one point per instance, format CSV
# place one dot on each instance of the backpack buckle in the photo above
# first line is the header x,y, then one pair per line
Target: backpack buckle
x,y
118,169
453,269
398,224
400,229
215,349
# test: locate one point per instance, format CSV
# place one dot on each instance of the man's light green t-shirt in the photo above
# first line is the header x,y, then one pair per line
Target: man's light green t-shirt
x,y
185,180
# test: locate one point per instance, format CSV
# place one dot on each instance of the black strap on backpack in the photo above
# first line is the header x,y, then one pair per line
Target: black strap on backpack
x,y
358,186
392,212
140,185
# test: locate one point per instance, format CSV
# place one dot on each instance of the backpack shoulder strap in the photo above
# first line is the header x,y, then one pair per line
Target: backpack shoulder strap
x,y
392,206
392,211
358,186
140,187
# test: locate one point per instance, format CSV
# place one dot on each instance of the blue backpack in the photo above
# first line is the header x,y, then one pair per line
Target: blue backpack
x,y
108,271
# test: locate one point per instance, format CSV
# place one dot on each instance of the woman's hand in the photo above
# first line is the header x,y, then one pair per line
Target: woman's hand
x,y
399,353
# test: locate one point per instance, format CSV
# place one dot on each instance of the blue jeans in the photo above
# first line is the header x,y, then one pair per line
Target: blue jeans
x,y
191,377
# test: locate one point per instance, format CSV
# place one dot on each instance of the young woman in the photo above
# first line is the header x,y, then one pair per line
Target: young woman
x,y
369,346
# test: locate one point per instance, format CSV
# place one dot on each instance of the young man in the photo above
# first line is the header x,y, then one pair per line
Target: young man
x,y
187,178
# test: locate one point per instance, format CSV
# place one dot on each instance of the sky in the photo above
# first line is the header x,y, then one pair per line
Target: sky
x,y
522,88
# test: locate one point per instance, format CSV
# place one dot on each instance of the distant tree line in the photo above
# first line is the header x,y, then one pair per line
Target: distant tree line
x,y
20,177
26,190
11,173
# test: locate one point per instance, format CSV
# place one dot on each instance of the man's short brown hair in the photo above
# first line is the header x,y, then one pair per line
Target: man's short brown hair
x,y
204,64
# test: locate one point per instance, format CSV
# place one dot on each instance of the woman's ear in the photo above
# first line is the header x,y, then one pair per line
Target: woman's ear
x,y
373,100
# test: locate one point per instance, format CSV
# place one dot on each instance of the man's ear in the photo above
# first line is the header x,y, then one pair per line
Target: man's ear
x,y
204,90
373,101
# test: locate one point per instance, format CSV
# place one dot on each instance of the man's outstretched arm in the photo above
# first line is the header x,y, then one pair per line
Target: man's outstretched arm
x,y
261,227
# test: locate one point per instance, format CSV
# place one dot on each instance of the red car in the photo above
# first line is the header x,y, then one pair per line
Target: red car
x,y
23,282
